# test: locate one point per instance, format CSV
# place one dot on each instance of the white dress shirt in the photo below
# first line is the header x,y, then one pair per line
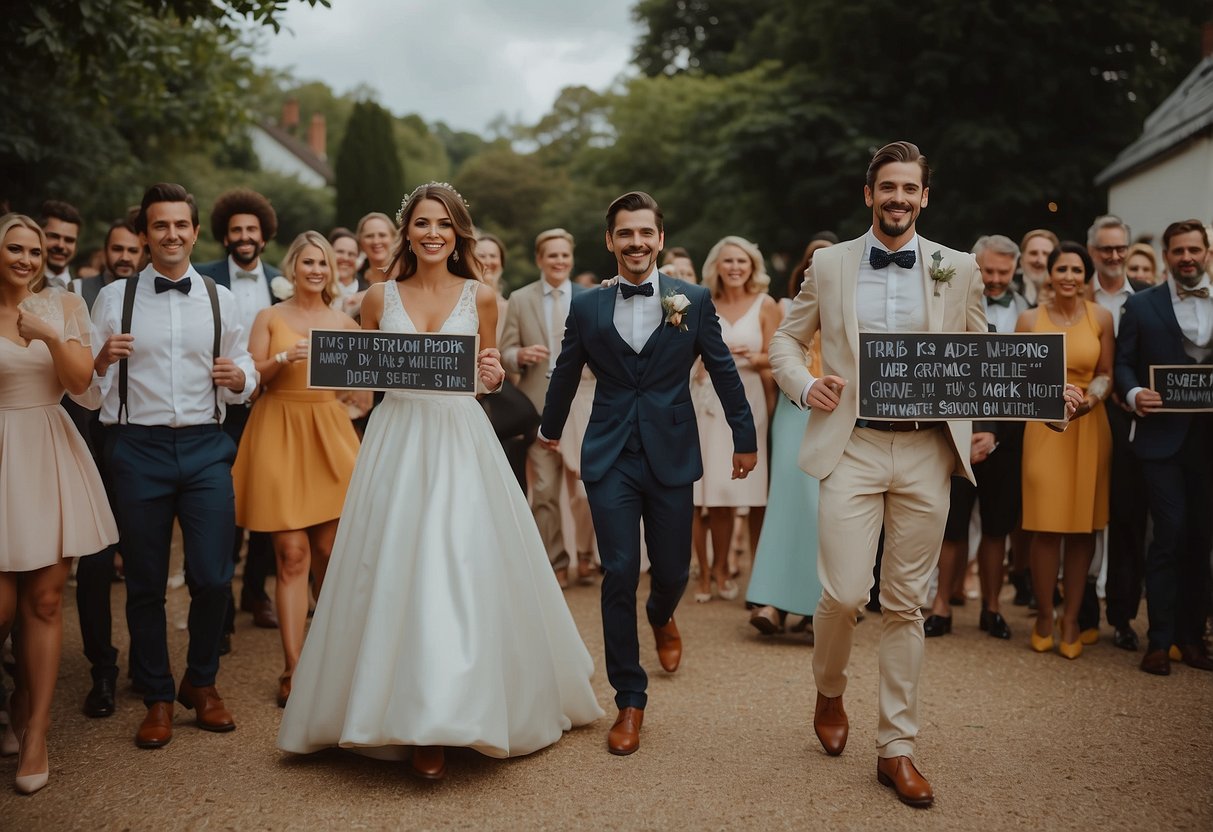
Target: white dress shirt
x,y
251,295
63,280
1004,318
889,299
552,294
1195,318
1114,302
636,317
169,371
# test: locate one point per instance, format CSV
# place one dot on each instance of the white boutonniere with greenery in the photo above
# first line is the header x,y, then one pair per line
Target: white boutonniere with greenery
x,y
282,287
938,273
675,306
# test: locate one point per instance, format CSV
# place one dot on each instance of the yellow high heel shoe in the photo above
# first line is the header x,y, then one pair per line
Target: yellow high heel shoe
x,y
1089,636
1071,650
1041,644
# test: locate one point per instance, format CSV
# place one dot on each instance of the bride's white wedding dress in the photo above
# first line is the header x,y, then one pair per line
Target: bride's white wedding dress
x,y
440,621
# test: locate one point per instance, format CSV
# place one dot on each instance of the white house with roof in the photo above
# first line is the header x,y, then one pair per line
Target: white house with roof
x,y
279,150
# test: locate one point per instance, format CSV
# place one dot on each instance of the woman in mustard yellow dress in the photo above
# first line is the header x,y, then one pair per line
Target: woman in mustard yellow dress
x,y
298,451
1066,474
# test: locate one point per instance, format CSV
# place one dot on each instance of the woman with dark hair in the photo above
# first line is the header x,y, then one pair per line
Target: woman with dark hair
x,y
1066,474
350,284
52,503
440,623
297,452
784,578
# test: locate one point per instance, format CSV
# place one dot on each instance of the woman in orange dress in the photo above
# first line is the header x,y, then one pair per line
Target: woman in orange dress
x,y
52,503
1066,474
297,453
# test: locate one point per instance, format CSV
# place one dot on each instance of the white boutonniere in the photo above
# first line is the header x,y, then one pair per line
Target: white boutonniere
x,y
282,288
675,306
938,273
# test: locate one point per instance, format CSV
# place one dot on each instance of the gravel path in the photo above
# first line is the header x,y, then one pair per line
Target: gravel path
x,y
1010,740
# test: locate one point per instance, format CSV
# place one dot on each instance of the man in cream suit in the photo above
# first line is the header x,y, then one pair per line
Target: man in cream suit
x,y
530,343
894,474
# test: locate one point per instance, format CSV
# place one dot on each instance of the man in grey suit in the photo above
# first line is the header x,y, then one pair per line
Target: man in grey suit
x,y
530,343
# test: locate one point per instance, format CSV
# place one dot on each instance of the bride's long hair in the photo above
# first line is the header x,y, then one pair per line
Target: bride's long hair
x,y
463,260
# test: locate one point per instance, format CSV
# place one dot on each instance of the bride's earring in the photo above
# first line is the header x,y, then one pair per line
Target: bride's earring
x,y
408,244
455,256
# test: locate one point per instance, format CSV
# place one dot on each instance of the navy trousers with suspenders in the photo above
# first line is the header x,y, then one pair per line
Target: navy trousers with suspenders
x,y
160,474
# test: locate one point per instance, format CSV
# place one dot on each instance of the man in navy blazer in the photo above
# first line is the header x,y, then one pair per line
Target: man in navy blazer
x,y
640,454
244,221
1172,323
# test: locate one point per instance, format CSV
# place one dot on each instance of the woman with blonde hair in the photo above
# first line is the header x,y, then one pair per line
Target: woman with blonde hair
x,y
52,502
736,276
1141,264
299,448
377,238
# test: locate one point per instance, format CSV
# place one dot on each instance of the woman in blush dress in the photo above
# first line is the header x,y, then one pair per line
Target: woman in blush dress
x,y
298,451
736,276
440,623
784,578
52,502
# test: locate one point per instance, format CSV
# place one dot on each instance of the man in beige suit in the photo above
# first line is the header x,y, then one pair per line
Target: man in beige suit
x,y
895,474
530,343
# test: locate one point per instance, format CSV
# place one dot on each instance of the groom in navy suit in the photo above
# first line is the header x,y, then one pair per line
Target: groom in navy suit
x,y
1172,323
640,454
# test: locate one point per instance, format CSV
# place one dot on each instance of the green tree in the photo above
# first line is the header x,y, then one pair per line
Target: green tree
x,y
425,153
368,170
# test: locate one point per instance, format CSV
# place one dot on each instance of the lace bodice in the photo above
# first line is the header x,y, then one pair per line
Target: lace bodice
x,y
463,320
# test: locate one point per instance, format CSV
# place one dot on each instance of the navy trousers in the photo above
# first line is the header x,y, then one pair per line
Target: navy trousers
x,y
161,474
1177,563
618,502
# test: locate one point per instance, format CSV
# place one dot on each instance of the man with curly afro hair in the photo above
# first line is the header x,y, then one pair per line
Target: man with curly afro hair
x,y
244,221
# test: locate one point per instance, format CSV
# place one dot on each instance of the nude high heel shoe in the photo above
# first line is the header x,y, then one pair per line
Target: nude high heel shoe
x,y
30,783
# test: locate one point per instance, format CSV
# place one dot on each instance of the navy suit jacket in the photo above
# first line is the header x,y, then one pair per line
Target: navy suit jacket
x,y
217,271
650,390
1150,334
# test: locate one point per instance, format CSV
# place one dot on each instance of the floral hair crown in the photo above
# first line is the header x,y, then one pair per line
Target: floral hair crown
x,y
447,185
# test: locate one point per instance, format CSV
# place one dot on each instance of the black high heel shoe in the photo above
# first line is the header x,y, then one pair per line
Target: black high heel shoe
x,y
937,625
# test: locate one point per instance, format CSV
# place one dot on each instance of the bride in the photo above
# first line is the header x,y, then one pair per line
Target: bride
x,y
440,623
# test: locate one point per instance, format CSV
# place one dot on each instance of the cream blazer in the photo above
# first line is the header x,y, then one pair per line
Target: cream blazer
x,y
826,304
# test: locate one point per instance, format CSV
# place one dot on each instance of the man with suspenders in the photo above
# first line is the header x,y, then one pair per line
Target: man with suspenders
x,y
176,339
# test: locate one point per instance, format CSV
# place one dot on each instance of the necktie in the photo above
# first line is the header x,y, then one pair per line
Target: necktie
x,y
880,259
628,290
241,274
56,281
1202,292
1002,300
163,284
557,316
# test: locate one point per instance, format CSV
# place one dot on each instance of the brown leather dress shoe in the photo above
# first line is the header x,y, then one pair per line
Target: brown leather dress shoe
x,y
157,728
624,736
206,701
1156,662
899,774
1195,655
669,646
264,615
429,762
831,724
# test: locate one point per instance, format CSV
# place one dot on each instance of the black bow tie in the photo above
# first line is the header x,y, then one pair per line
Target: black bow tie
x,y
163,284
1002,300
880,259
627,289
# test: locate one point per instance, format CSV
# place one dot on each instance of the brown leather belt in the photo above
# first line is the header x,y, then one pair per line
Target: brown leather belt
x,y
896,427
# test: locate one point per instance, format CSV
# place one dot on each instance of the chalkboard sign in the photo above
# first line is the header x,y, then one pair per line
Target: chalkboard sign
x,y
357,359
962,375
1185,388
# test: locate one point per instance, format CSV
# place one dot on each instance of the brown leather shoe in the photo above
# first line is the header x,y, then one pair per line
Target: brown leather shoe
x,y
157,728
212,715
263,614
899,774
766,620
1195,655
1156,662
585,567
831,724
624,736
669,646
429,762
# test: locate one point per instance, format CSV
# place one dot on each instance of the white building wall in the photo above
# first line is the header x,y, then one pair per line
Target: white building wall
x,y
274,157
1178,187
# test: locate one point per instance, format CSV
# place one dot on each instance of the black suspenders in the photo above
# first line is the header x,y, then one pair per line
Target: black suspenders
x,y
128,308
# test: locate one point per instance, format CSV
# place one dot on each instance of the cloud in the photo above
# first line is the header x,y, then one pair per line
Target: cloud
x,y
464,62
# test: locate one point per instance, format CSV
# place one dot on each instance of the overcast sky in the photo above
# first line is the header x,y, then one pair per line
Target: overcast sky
x,y
459,61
